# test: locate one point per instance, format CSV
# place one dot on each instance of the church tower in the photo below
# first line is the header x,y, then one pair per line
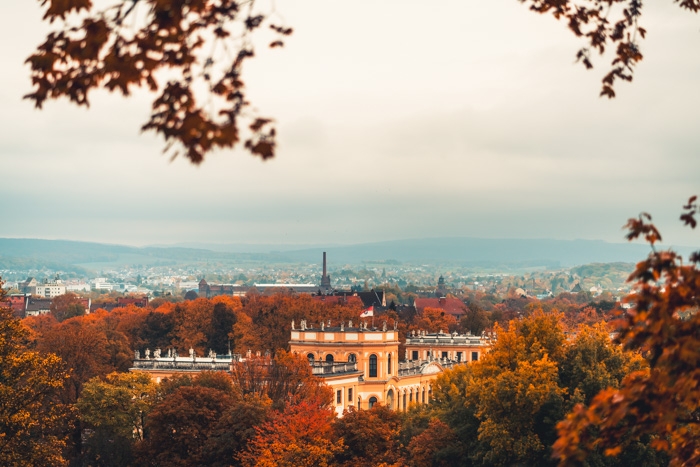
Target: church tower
x,y
441,290
325,278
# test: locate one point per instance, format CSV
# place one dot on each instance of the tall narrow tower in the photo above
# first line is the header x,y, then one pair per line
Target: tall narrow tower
x,y
325,278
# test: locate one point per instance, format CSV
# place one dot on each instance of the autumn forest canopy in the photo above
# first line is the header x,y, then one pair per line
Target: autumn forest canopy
x,y
554,388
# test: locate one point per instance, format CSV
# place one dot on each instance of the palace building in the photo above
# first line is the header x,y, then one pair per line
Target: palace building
x,y
360,363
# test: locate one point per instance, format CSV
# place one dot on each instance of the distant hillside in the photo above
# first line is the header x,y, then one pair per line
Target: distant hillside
x,y
63,254
483,252
476,252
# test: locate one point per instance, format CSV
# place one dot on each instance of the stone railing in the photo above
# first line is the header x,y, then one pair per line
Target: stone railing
x,y
412,367
331,368
184,364
447,340
415,367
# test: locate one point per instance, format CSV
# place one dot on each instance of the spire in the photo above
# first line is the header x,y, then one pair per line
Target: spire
x,y
325,278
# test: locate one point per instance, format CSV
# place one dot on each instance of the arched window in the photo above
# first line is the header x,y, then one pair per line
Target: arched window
x,y
390,399
372,366
372,401
388,365
404,401
352,358
329,358
423,396
310,357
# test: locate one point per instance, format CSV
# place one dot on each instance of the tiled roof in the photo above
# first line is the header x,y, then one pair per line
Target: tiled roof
x,y
452,306
38,304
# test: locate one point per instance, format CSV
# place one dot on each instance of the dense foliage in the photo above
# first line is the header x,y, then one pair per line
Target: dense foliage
x,y
554,388
30,414
663,403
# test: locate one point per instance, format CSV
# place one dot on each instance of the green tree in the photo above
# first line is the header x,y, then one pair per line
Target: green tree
x,y
31,420
113,411
592,364
517,410
452,403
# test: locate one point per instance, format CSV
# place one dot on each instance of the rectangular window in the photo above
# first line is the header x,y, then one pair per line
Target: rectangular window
x,y
459,356
444,355
349,394
372,366
338,397
415,355
475,356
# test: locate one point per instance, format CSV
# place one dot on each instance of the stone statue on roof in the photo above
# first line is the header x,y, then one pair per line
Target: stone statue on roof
x,y
156,353
137,355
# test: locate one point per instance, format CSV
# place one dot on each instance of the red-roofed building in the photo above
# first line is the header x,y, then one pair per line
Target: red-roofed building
x,y
140,302
18,303
451,306
38,306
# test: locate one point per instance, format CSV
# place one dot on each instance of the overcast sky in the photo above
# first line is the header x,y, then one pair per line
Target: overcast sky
x,y
397,119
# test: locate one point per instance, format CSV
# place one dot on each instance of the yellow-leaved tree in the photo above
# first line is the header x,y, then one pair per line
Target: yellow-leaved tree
x,y
662,403
31,422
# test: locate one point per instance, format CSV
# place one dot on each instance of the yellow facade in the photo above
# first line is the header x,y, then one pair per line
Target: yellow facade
x,y
360,364
374,374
